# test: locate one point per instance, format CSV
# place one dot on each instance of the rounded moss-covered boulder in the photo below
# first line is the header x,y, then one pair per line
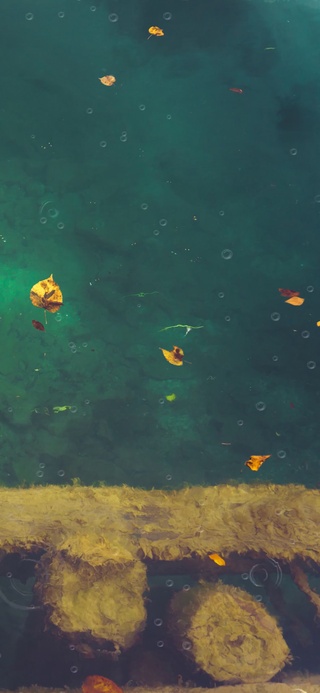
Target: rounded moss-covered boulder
x,y
103,600
227,633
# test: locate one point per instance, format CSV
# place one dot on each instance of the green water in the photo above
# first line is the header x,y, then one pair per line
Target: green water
x,y
130,195
216,166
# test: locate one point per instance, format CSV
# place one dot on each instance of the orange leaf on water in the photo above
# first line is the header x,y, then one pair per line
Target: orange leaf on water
x,y
217,559
99,684
255,461
295,301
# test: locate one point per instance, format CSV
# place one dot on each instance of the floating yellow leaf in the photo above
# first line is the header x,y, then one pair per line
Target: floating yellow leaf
x,y
217,559
175,356
171,397
107,80
295,301
155,31
46,294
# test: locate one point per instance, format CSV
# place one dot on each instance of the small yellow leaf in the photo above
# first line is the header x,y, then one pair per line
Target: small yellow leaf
x,y
295,301
217,559
255,461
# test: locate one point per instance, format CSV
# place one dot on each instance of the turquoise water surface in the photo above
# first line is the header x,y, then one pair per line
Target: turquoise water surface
x,y
130,195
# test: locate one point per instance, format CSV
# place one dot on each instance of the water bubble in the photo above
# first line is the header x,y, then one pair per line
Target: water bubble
x,y
310,289
258,572
84,344
258,598
61,472
169,583
43,220
103,144
261,572
29,16
123,137
311,365
160,643
39,473
142,107
60,225
260,406
89,111
245,576
169,477
58,317
186,588
72,647
42,465
71,345
113,17
73,669
53,213
156,232
10,410
275,317
60,15
87,401
221,294
93,8
163,222
293,151
240,422
226,254
9,574
158,622
144,206
221,213
73,349
73,409
305,334
275,358
281,454
169,116
167,16
227,318
186,645
33,137
316,198
161,400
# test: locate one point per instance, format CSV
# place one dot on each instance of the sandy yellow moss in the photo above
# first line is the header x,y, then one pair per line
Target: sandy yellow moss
x,y
94,540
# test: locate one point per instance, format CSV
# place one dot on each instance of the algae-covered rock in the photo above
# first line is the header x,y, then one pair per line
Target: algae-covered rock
x,y
94,541
105,600
227,633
